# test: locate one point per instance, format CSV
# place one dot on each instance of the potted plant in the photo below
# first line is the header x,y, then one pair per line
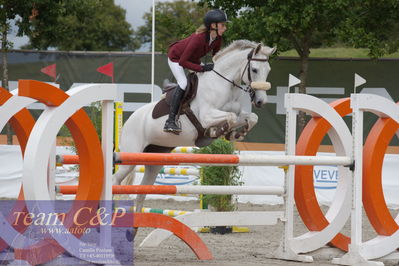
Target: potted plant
x,y
219,175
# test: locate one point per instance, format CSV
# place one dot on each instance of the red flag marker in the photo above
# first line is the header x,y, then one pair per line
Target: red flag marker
x,y
50,70
108,70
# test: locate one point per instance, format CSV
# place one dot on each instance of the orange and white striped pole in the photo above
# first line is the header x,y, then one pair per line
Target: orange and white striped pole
x,y
124,158
170,189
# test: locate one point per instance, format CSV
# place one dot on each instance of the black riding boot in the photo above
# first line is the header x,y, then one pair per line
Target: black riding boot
x,y
171,124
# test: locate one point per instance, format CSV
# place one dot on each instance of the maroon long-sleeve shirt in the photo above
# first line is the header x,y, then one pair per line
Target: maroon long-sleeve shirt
x,y
189,51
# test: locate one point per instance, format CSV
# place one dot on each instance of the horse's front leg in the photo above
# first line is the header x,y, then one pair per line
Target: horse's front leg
x,y
217,122
245,122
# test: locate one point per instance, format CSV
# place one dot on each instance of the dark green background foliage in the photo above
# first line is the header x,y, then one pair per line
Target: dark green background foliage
x,y
304,24
85,25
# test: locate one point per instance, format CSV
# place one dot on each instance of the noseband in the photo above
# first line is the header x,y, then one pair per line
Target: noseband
x,y
248,88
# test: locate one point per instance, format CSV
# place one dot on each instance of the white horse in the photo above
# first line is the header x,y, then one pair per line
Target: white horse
x,y
216,103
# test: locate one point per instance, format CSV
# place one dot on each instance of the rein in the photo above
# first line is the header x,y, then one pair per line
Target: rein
x,y
248,89
232,82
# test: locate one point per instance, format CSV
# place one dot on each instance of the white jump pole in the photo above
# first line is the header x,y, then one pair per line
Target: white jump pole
x,y
153,51
230,190
291,159
171,189
107,137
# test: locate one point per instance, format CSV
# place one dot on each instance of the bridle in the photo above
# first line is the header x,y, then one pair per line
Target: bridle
x,y
247,67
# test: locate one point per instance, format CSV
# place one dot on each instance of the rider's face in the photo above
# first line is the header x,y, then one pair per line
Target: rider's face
x,y
221,27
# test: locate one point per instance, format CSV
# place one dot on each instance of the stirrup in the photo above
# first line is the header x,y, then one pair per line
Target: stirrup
x,y
175,131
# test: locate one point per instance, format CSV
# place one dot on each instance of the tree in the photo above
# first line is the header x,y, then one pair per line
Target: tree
x,y
87,25
173,21
301,25
373,25
63,24
20,11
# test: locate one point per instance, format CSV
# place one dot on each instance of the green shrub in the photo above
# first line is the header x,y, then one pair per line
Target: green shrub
x,y
220,175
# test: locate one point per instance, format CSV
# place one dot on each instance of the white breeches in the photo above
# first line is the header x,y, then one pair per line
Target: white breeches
x,y
178,73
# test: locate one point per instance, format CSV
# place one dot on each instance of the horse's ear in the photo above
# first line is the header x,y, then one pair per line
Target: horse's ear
x,y
269,51
257,49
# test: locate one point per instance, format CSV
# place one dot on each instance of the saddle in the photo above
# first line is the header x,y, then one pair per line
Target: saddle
x,y
162,107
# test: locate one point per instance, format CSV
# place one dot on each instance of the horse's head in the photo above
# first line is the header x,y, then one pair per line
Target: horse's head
x,y
246,62
255,73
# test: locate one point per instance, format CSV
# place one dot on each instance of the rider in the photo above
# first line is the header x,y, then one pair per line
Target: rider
x,y
187,53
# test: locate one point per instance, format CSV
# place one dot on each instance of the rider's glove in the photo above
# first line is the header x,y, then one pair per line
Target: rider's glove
x,y
207,67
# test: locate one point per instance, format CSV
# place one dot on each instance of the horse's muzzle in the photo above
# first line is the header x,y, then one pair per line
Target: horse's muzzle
x,y
258,104
261,85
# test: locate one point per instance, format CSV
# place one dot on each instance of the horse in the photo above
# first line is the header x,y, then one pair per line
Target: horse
x,y
215,105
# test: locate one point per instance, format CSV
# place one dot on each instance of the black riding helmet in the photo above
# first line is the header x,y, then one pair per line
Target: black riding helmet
x,y
214,16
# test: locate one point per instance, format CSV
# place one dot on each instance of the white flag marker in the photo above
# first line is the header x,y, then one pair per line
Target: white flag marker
x,y
358,81
292,81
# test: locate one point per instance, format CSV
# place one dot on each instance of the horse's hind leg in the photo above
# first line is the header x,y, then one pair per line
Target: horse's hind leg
x,y
127,170
150,174
122,173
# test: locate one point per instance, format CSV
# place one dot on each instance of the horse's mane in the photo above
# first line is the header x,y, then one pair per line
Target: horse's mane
x,y
235,45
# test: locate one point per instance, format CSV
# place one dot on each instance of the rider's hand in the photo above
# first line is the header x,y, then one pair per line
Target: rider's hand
x,y
207,67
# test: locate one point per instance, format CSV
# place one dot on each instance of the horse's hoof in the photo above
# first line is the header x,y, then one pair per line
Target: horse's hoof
x,y
211,132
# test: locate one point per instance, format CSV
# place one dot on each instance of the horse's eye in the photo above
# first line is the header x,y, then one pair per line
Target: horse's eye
x,y
254,70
